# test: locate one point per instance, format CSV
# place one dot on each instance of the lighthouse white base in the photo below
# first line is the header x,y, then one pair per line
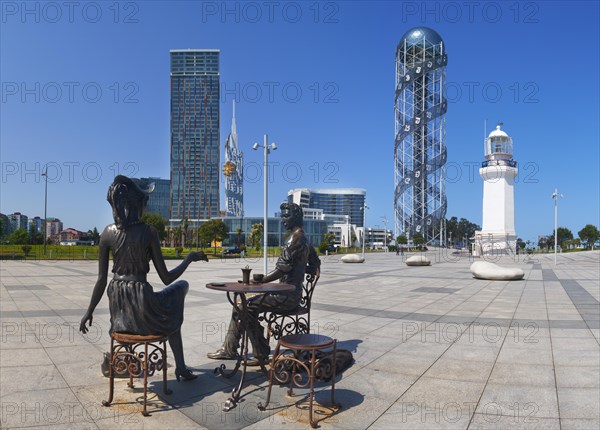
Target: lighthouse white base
x,y
489,243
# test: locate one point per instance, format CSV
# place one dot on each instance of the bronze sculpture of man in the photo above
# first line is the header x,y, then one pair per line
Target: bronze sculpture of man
x,y
297,257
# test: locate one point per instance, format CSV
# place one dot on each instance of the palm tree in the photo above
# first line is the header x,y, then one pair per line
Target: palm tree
x,y
239,232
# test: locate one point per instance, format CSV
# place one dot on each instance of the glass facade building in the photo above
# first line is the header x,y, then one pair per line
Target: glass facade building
x,y
333,201
314,230
159,201
194,133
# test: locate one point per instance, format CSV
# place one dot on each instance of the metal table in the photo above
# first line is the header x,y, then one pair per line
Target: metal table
x,y
236,294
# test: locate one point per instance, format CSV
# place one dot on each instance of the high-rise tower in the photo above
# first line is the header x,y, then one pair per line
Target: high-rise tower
x,y
194,133
420,138
233,171
498,172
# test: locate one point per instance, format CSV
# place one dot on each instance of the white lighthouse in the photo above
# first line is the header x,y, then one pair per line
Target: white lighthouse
x,y
498,172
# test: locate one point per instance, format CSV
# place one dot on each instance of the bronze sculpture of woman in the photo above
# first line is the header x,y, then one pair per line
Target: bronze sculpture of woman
x,y
134,306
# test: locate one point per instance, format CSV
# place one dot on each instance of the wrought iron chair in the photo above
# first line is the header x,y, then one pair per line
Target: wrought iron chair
x,y
296,321
137,356
298,357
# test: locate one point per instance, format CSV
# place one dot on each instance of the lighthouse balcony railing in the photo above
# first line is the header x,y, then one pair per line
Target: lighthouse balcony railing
x,y
508,163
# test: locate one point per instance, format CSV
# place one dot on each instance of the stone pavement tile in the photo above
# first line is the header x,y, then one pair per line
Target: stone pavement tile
x,y
404,364
42,407
579,424
572,333
208,409
522,374
432,391
125,411
508,400
494,421
411,415
578,376
366,325
23,357
472,352
526,354
376,384
41,377
425,347
460,370
581,357
579,403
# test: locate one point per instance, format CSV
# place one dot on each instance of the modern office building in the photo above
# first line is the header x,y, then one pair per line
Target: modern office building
x,y
18,221
314,230
333,201
420,135
37,223
6,225
194,133
159,200
233,171
53,228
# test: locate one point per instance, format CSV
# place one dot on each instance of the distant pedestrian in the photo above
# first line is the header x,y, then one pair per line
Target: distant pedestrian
x,y
402,250
397,250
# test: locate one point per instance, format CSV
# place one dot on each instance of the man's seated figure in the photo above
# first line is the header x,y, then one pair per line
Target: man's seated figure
x,y
297,258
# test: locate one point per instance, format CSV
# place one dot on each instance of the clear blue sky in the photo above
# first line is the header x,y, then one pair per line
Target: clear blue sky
x,y
542,56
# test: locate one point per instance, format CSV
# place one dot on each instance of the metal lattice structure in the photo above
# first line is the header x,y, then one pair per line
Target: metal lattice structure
x,y
233,171
420,138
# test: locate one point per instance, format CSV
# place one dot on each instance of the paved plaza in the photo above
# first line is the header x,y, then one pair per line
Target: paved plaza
x,y
433,348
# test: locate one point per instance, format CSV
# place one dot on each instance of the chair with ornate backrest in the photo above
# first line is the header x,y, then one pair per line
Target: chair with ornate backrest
x,y
136,356
296,321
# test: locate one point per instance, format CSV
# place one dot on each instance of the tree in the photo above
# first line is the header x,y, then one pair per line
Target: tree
x,y
155,220
563,235
93,235
401,240
239,232
256,233
19,237
212,231
177,236
329,238
185,228
418,239
589,234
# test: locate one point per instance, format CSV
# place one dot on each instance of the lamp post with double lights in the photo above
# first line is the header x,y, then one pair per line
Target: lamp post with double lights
x,y
45,175
384,220
555,196
267,149
364,209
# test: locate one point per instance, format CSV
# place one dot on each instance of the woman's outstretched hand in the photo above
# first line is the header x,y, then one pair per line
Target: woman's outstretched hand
x,y
87,317
197,256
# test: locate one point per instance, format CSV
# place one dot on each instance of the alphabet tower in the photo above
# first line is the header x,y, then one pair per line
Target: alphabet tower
x,y
420,137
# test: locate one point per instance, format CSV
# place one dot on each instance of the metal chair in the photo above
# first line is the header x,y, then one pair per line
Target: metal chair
x,y
296,321
139,356
300,356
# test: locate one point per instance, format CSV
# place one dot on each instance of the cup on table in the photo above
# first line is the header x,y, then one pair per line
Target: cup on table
x,y
258,277
246,275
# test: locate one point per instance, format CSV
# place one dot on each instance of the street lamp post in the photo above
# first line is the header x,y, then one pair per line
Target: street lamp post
x,y
384,219
555,196
364,209
196,190
45,175
267,149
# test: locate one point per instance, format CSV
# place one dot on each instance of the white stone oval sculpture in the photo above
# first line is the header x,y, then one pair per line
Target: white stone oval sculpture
x,y
352,258
493,272
418,260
